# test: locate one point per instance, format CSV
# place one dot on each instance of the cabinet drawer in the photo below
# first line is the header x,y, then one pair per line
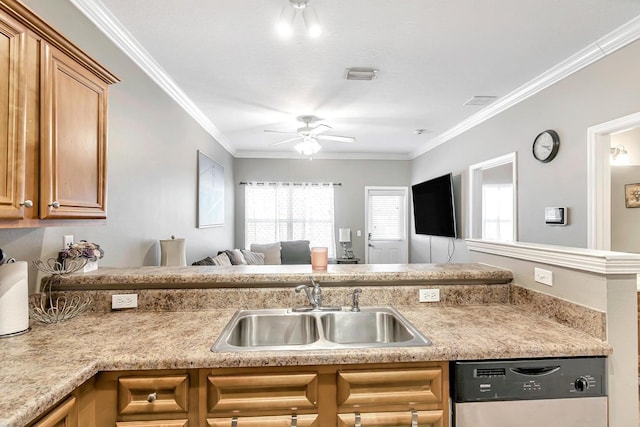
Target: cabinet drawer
x,y
153,395
392,419
244,394
156,423
64,415
310,420
406,387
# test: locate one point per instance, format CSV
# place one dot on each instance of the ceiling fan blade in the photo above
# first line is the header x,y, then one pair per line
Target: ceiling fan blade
x,y
319,129
287,140
278,131
336,138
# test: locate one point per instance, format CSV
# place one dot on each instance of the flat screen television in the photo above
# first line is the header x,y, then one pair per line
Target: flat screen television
x,y
433,207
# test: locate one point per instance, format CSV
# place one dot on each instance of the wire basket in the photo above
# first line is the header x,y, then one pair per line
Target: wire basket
x,y
48,310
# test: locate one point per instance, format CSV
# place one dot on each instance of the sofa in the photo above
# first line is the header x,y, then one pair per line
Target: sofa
x,y
277,253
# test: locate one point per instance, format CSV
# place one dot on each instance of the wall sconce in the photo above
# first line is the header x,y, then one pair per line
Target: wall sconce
x,y
619,156
344,237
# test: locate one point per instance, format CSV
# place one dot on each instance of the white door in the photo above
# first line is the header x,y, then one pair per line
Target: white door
x,y
386,225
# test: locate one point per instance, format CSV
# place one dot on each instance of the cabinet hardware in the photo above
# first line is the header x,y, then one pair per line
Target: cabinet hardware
x,y
358,422
294,421
234,422
27,204
414,418
152,397
54,205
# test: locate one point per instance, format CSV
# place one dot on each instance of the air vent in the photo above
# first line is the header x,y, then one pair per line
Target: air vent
x,y
481,100
360,73
489,372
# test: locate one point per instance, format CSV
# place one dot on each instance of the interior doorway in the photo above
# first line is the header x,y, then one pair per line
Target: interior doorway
x,y
599,178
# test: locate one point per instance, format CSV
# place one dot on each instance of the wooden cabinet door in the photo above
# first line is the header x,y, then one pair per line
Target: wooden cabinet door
x,y
13,94
392,419
73,142
310,420
64,415
155,423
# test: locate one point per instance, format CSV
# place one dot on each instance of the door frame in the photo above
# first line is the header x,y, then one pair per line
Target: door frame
x,y
599,178
405,190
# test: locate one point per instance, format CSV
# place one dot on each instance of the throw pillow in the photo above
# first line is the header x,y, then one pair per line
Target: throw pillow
x,y
236,257
253,258
222,260
295,252
205,261
271,252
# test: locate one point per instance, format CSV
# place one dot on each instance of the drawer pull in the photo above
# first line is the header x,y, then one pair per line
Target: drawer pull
x,y
358,422
414,418
27,204
234,422
54,205
294,421
152,397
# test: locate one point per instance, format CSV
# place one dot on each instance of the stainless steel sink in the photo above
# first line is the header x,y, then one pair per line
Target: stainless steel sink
x,y
284,329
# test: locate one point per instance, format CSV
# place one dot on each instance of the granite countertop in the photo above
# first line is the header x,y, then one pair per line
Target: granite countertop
x,y
39,368
268,275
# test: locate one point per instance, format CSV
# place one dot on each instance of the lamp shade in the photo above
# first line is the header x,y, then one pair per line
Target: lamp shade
x,y
344,235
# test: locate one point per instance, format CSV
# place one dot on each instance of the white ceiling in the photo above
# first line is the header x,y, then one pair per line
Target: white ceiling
x,y
432,56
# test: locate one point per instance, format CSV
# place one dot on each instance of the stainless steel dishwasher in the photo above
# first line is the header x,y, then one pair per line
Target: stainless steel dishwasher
x,y
560,392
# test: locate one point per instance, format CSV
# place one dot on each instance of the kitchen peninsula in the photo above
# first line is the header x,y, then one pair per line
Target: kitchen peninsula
x,y
481,315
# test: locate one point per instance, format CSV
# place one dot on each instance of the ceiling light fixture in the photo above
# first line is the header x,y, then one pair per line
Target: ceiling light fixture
x,y
288,16
481,100
308,147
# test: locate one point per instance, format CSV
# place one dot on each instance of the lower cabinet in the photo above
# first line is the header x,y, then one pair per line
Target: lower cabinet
x,y
381,395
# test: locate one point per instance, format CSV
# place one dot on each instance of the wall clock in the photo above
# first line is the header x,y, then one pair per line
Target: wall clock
x,y
545,146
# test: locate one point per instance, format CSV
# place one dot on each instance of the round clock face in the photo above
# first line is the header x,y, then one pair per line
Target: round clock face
x,y
545,146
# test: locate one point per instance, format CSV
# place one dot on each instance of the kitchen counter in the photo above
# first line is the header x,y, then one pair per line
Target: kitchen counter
x,y
39,368
281,275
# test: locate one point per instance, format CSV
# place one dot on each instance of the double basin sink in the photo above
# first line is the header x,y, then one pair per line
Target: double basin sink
x,y
286,329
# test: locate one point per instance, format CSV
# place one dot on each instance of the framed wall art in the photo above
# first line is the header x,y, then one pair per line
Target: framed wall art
x,y
210,192
632,195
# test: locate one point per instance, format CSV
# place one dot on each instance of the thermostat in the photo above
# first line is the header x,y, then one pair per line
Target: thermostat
x,y
555,216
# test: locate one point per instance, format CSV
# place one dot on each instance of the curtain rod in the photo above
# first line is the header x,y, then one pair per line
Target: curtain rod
x,y
292,183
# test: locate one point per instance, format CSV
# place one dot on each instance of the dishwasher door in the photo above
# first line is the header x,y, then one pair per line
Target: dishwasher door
x,y
574,412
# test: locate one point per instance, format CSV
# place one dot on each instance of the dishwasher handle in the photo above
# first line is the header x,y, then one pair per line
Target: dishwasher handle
x,y
535,372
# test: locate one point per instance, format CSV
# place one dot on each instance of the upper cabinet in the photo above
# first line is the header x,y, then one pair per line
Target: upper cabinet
x,y
53,125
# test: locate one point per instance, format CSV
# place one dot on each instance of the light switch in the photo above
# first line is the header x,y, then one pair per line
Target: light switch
x,y
359,233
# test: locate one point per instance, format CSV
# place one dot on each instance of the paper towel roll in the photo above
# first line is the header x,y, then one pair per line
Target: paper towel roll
x,y
172,252
14,298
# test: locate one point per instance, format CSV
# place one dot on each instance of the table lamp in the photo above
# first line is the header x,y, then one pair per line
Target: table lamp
x,y
344,237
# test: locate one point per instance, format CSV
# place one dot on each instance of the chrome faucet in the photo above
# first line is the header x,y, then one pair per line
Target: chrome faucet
x,y
355,305
314,296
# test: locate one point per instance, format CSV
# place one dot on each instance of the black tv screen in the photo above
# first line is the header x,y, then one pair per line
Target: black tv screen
x,y
433,207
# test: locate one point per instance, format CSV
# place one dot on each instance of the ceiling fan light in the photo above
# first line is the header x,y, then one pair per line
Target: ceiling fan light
x,y
308,147
311,21
284,25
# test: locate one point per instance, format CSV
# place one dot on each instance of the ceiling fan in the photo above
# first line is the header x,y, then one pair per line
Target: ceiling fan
x,y
310,136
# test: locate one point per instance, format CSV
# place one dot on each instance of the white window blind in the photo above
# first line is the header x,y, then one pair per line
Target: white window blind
x,y
497,212
386,216
290,211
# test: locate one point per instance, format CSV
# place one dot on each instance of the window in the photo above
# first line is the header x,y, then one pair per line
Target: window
x,y
289,211
497,212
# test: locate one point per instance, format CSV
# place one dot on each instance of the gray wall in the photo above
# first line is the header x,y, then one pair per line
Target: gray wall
x,y
152,158
349,198
605,90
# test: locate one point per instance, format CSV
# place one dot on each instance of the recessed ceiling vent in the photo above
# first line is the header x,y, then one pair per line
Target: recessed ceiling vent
x,y
360,73
481,100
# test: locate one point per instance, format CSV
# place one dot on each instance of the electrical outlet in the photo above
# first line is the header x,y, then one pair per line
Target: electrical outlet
x,y
543,276
124,301
429,295
67,240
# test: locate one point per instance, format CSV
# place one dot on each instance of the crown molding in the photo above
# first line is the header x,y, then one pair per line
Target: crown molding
x,y
591,260
118,34
618,38
319,156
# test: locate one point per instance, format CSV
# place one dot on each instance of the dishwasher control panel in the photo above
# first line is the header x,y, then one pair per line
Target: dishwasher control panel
x,y
525,379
